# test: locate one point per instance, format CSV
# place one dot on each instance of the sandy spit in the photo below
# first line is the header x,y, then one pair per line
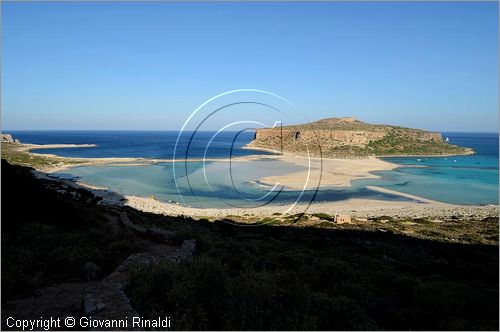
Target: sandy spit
x,y
321,172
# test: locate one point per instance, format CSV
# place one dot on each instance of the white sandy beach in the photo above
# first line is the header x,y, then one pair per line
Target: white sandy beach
x,y
63,163
358,208
355,207
325,172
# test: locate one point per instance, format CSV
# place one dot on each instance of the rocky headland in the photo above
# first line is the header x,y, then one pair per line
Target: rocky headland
x,y
351,138
7,138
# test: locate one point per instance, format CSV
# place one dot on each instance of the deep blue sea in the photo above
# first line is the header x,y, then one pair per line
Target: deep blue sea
x,y
468,180
144,144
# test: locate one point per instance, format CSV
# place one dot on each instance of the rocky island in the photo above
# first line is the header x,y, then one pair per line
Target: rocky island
x,y
349,137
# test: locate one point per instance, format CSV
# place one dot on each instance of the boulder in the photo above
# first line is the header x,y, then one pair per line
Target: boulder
x,y
92,271
188,249
7,138
160,234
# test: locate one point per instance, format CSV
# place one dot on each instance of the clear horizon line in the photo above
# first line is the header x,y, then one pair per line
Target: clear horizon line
x,y
210,130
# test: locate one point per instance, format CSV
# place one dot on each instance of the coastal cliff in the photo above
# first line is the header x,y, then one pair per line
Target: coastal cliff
x,y
7,138
349,137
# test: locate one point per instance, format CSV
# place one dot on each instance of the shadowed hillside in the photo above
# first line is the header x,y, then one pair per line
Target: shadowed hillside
x,y
266,277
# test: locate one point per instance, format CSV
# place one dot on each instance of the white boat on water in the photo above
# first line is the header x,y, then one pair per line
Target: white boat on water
x,y
446,139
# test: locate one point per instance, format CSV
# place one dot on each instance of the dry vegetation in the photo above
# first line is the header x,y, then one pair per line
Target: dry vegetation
x,y
379,273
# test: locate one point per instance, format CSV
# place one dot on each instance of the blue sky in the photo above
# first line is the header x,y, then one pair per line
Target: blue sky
x,y
149,65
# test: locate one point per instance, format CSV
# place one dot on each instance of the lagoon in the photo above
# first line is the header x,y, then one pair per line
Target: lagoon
x,y
467,180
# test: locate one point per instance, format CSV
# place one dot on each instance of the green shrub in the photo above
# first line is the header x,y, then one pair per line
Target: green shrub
x,y
324,216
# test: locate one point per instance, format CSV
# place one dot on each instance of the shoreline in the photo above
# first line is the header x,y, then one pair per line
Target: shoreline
x,y
56,146
64,163
335,172
419,207
321,172
467,152
357,208
123,161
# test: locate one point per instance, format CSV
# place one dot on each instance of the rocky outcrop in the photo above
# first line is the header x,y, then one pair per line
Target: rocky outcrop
x,y
107,299
349,137
92,271
7,138
153,232
188,249
339,137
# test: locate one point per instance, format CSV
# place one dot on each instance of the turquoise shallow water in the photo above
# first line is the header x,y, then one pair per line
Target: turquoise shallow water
x,y
469,180
222,190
